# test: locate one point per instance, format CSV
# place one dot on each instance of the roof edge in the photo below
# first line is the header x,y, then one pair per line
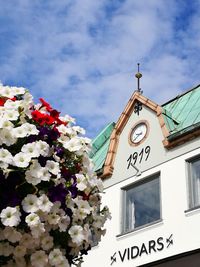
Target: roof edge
x,y
180,95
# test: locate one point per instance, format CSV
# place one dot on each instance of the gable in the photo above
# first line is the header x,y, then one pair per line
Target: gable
x,y
138,109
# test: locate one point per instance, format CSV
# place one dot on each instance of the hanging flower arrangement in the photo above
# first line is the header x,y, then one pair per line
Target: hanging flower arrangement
x,y
50,202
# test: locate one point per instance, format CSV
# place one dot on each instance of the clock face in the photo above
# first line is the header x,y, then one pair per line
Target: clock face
x,y
138,133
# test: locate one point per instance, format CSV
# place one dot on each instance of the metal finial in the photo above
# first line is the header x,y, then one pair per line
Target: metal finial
x,y
138,75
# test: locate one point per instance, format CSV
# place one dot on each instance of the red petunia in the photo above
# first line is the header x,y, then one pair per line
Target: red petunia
x,y
38,117
2,101
42,118
46,105
54,113
49,120
13,98
59,122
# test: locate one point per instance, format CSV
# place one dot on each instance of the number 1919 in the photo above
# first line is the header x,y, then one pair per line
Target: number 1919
x,y
139,157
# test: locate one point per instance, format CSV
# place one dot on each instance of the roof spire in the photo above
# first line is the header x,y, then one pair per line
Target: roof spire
x,y
138,75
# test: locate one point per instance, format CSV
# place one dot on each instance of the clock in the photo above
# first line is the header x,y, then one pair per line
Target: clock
x,y
138,133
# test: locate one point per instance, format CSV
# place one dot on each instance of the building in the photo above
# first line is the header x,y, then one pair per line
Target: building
x,y
150,164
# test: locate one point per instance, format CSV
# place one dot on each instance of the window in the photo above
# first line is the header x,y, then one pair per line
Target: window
x,y
141,204
194,182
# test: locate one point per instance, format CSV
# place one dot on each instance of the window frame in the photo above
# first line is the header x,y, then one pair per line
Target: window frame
x,y
190,192
124,190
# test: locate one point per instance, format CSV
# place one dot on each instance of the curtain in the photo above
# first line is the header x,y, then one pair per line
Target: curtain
x,y
131,214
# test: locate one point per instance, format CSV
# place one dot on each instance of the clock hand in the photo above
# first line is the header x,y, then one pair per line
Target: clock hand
x,y
137,135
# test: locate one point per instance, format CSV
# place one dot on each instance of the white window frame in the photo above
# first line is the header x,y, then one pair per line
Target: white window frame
x,y
123,206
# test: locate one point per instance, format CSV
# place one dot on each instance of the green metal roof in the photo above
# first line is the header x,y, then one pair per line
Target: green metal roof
x,y
100,146
183,112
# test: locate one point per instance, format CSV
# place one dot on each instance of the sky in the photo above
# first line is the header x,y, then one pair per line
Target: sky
x,y
82,55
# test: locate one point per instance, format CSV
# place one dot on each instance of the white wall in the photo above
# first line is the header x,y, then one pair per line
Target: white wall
x,y
184,226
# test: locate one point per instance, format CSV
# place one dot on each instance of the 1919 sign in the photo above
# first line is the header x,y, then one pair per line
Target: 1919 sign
x,y
136,157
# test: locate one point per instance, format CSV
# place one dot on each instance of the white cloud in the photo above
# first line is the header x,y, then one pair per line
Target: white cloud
x,y
82,55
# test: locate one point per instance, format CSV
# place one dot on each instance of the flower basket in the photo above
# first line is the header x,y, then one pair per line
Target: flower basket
x,y
50,202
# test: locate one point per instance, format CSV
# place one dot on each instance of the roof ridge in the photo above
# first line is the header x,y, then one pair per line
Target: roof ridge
x,y
180,95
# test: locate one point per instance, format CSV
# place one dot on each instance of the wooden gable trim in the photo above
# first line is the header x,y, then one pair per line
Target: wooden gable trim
x,y
123,119
180,140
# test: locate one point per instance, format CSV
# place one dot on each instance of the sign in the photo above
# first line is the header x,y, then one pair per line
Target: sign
x,y
138,157
133,252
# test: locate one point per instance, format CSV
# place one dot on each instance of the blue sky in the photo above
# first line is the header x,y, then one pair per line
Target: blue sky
x,y
81,55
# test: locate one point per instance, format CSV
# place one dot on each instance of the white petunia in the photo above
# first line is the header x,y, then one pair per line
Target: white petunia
x,y
10,216
99,221
78,129
26,240
37,230
5,156
6,137
30,149
86,144
36,169
45,175
53,218
4,167
18,90
97,182
28,98
47,242
64,263
55,257
19,251
64,223
77,234
32,219
79,215
35,173
43,148
6,124
21,160
81,182
63,139
73,144
19,262
9,104
39,259
6,249
12,235
11,115
31,129
83,205
68,118
30,203
62,129
6,91
44,203
19,132
53,167
31,179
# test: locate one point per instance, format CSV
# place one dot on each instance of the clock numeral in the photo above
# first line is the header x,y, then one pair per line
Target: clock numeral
x,y
138,157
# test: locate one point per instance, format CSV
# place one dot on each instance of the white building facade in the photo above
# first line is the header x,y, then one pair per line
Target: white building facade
x,y
151,175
